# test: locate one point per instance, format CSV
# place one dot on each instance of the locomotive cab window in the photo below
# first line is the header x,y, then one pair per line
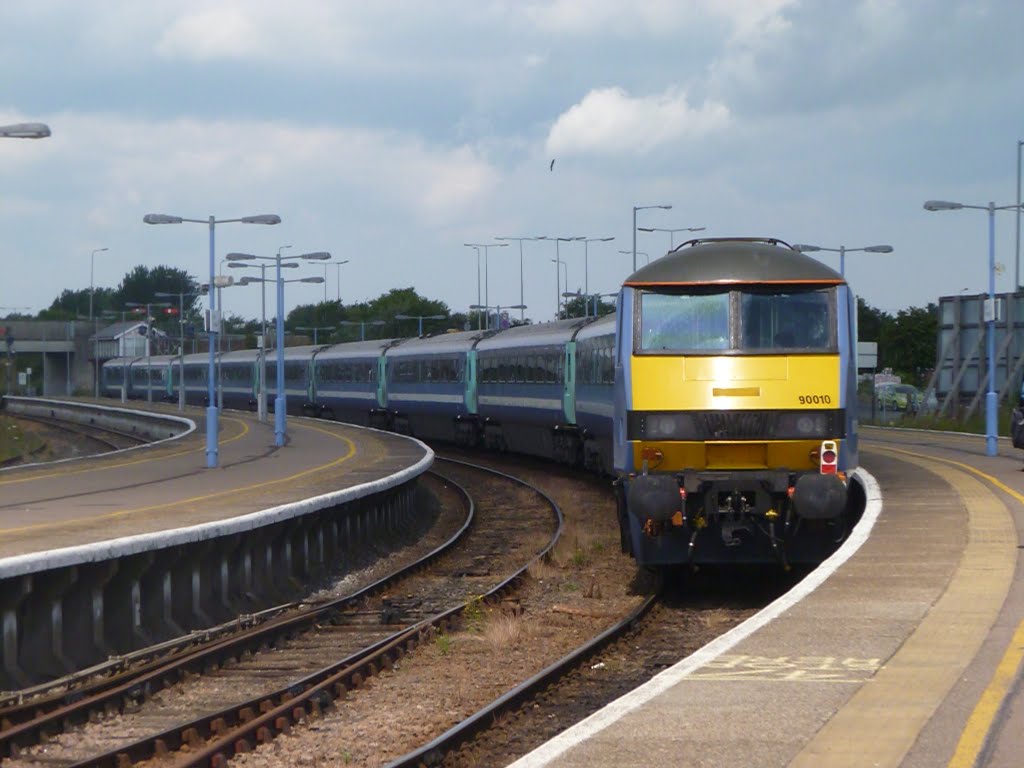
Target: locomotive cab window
x,y
752,319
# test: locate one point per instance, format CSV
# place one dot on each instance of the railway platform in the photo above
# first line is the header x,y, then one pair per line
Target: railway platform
x,y
108,553
904,649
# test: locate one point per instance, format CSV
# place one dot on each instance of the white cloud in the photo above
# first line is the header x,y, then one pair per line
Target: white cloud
x,y
609,120
215,33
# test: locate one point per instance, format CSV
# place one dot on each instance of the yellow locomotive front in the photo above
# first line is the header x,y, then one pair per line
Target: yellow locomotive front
x,y
735,375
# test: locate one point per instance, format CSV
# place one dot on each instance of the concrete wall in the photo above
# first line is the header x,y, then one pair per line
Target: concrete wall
x,y
67,609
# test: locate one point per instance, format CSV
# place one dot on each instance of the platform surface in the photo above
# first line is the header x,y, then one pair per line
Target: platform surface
x,y
905,652
168,485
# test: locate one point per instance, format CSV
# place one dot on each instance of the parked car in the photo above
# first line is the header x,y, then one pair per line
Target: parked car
x,y
899,397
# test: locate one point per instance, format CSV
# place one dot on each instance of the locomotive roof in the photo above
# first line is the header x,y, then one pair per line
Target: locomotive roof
x,y
737,260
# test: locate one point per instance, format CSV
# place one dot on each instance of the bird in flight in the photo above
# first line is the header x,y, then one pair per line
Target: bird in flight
x,y
552,166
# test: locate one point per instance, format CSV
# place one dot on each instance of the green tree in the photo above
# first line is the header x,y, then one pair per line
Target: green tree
x,y
910,343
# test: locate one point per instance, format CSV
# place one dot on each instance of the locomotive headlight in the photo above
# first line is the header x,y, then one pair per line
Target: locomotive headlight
x,y
661,426
800,425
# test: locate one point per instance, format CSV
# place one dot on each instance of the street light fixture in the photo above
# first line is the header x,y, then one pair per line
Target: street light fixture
x,y
558,285
92,322
672,232
497,309
991,398
281,400
25,131
842,250
362,325
421,318
338,265
212,413
314,329
643,208
647,257
521,297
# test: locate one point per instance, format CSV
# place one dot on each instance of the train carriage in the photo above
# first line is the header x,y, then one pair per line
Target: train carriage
x,y
298,377
526,390
115,377
238,378
734,404
349,381
430,387
595,392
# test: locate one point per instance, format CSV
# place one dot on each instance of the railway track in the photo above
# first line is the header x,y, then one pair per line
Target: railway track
x,y
64,440
280,662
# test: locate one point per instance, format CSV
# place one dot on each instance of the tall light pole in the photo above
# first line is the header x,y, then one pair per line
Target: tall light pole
x,y
181,337
558,284
211,410
522,305
991,398
643,208
261,390
92,322
333,264
842,250
586,267
497,309
479,298
148,306
281,399
338,265
1016,274
558,260
487,275
672,233
421,318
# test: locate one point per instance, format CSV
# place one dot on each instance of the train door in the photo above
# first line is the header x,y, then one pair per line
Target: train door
x,y
470,383
382,382
569,384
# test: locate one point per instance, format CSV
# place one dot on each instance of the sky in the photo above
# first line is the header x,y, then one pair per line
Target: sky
x,y
392,133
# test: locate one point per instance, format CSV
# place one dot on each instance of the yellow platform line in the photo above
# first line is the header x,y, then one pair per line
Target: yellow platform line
x,y
880,723
10,532
135,458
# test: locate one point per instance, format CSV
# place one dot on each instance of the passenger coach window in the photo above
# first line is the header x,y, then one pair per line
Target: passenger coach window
x,y
678,323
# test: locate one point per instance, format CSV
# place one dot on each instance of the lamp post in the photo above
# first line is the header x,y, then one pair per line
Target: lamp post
x,y
421,318
333,264
991,398
497,309
338,265
521,297
1016,274
558,285
261,396
281,400
92,322
362,325
643,208
487,276
558,260
842,250
314,328
211,409
181,348
672,232
586,266
148,306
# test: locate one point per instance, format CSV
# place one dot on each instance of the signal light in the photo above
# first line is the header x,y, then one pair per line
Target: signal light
x,y
829,457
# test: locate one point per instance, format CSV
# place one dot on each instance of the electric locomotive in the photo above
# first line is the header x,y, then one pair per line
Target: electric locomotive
x,y
735,392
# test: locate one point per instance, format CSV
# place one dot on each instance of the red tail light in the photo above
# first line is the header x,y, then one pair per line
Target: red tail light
x,y
829,457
